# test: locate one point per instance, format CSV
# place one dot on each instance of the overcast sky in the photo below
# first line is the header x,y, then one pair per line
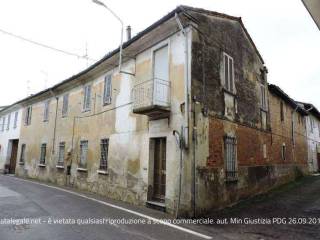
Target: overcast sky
x,y
283,31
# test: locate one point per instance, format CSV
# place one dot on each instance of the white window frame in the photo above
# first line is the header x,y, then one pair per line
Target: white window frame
x,y
230,87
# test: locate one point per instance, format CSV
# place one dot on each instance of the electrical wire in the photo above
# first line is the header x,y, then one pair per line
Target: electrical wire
x,y
45,45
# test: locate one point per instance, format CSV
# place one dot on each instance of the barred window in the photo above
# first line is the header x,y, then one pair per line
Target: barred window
x,y
43,153
61,154
83,154
107,90
65,104
22,153
230,159
104,145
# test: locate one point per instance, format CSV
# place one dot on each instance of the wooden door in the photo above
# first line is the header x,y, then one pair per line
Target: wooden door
x,y
159,180
13,158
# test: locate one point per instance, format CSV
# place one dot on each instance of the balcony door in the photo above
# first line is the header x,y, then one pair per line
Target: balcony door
x,y
161,76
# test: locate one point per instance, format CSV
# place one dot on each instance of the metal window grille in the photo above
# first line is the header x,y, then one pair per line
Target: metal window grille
x,y
87,98
43,153
65,104
15,123
46,111
8,122
22,153
83,154
61,154
104,145
228,72
107,90
230,147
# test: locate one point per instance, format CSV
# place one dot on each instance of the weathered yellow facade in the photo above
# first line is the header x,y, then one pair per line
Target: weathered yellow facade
x,y
129,176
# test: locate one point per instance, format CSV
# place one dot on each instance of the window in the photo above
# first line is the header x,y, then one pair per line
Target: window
x,y
22,153
46,111
228,75
83,154
104,145
87,98
43,153
3,124
65,104
230,158
283,151
281,112
61,154
264,150
263,99
15,123
27,117
9,120
107,90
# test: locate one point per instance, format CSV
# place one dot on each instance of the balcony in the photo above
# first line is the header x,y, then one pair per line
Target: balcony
x,y
152,98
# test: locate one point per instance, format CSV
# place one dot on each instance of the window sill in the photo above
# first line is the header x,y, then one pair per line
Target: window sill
x,y
59,167
41,165
21,163
229,92
79,169
86,110
103,172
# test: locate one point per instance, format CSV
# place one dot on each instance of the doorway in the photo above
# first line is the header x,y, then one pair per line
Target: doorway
x,y
159,169
13,156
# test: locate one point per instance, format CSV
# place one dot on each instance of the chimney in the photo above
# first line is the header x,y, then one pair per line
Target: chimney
x,y
128,33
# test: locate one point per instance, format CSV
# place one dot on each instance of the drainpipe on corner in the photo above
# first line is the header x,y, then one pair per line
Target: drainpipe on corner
x,y
187,110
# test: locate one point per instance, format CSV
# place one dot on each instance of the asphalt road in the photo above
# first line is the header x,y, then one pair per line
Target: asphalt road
x,y
23,199
296,204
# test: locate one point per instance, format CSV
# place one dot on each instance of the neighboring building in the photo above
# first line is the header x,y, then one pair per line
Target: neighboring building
x,y
289,138
313,136
313,7
184,126
10,123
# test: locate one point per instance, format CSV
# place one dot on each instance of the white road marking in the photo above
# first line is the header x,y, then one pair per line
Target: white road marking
x,y
123,209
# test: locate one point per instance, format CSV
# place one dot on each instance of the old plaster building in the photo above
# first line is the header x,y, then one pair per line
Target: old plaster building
x,y
289,137
183,124
313,136
10,123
